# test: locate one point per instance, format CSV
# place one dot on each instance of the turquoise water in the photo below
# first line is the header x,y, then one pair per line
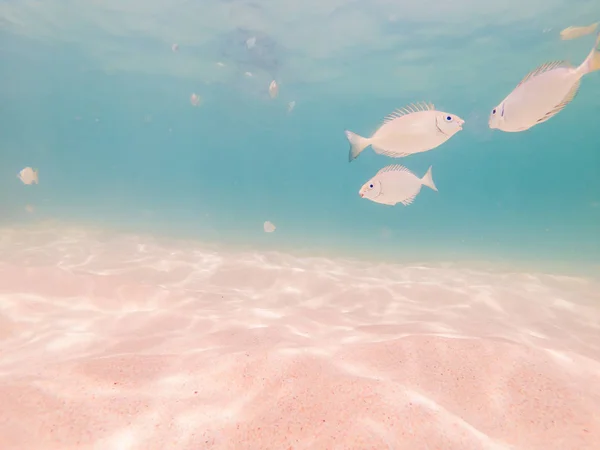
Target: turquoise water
x,y
92,95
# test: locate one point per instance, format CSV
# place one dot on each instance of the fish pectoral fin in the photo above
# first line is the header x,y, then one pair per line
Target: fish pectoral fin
x,y
565,101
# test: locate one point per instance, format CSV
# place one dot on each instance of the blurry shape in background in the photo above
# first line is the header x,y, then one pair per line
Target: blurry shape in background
x,y
273,89
268,227
395,184
28,176
416,128
251,50
220,64
291,106
195,99
248,74
577,32
175,47
29,209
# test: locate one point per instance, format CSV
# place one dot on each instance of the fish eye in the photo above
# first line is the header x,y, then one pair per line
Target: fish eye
x,y
494,111
371,186
449,118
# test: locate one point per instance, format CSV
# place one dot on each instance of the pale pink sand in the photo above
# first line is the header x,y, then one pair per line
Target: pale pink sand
x,y
116,342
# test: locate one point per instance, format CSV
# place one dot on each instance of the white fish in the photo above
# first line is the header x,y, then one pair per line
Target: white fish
x,y
251,42
542,94
28,176
577,32
273,89
413,129
291,106
195,99
269,227
395,184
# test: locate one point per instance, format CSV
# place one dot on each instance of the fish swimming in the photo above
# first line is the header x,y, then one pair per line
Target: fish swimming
x,y
413,129
542,94
395,184
577,32
28,176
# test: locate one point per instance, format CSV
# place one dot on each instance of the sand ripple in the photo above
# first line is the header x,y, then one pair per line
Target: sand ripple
x,y
123,342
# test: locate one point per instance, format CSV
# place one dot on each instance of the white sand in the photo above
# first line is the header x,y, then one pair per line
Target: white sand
x,y
115,342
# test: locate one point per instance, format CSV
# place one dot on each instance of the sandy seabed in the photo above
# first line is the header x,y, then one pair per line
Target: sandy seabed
x,y
123,342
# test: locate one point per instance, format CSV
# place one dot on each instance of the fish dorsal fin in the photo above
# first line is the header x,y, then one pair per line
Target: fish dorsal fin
x,y
409,109
565,101
394,168
546,67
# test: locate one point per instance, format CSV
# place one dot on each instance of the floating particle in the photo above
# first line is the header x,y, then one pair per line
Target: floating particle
x,y
195,99
273,89
175,47
251,42
269,227
291,106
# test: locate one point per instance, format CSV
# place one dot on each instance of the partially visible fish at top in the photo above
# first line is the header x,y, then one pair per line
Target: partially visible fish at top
x,y
542,94
395,184
577,32
413,129
28,176
273,89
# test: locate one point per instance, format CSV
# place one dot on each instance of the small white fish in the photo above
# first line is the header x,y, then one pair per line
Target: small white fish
x,y
542,94
251,42
577,32
28,176
395,184
174,47
273,89
269,227
413,129
291,106
195,99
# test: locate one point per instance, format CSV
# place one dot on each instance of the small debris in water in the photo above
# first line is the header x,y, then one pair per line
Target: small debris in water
x,y
269,227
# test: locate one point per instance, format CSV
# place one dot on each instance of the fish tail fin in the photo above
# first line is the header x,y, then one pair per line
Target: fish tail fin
x,y
357,144
592,62
427,180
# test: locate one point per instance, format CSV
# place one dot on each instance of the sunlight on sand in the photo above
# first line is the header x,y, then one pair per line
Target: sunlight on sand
x,y
123,342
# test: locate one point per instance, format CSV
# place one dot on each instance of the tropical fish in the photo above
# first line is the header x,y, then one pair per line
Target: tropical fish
x,y
413,129
268,227
273,89
395,184
28,176
542,94
577,32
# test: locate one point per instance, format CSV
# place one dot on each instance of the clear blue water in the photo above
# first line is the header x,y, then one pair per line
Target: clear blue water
x,y
92,95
